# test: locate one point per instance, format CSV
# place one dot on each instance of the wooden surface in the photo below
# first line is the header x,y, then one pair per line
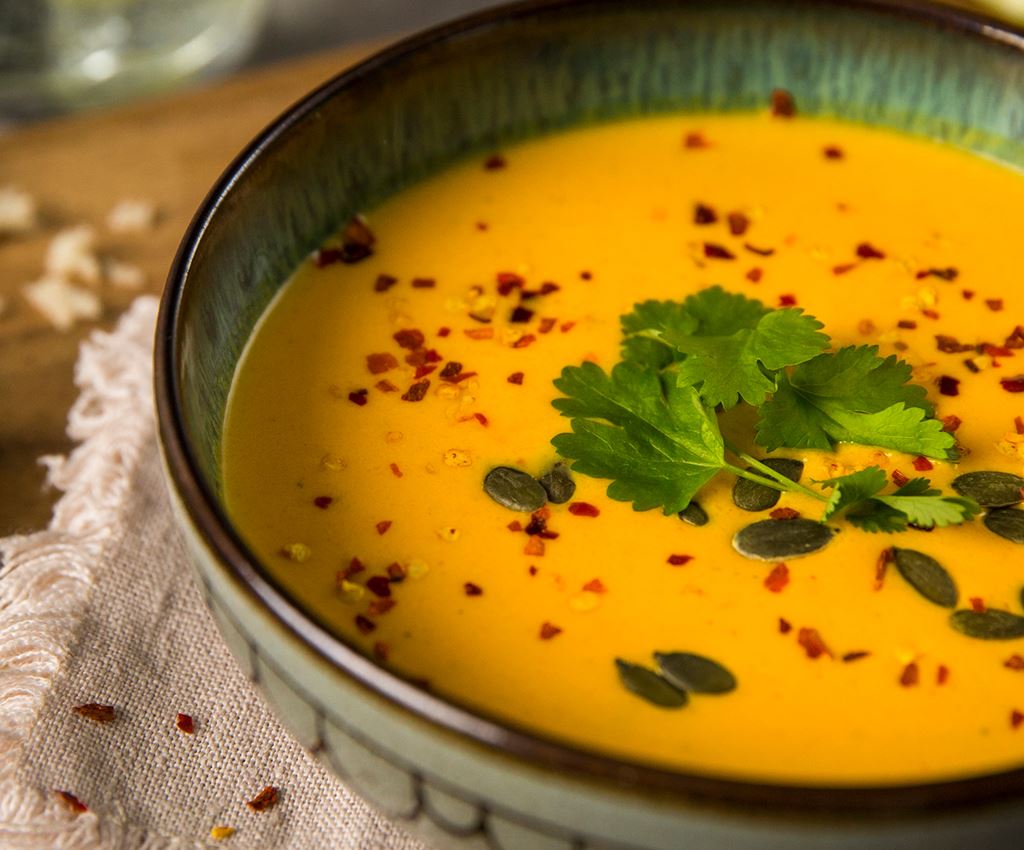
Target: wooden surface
x,y
167,151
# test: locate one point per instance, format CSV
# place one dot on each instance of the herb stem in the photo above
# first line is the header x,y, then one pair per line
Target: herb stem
x,y
781,482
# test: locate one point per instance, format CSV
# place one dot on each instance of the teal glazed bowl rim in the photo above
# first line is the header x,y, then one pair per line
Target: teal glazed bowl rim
x,y
218,534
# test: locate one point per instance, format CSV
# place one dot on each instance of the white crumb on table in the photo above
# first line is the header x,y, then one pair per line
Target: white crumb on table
x,y
18,212
124,275
62,303
131,216
71,254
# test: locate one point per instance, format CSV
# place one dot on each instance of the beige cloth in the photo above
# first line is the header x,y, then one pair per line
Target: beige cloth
x,y
101,608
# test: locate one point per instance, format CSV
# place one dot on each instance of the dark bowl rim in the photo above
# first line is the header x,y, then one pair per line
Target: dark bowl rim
x,y
243,567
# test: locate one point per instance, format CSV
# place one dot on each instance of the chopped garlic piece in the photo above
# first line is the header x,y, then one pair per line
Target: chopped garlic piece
x,y
457,457
125,275
18,212
71,254
61,303
131,216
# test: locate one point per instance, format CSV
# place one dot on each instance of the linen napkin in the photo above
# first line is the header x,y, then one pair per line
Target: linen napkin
x,y
101,608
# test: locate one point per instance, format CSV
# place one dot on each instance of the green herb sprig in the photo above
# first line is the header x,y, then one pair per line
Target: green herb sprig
x,y
651,424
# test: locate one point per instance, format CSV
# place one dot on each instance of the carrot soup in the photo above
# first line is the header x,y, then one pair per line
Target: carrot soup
x,y
691,440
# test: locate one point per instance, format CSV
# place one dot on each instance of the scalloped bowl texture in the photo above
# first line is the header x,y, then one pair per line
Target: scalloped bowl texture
x,y
458,779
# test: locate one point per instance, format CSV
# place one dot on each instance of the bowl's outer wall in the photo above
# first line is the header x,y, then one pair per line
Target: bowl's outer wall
x,y
540,71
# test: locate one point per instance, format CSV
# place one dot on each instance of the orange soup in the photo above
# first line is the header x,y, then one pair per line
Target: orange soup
x,y
413,356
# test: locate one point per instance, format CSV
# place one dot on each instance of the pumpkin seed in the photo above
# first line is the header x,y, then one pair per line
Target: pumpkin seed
x,y
927,576
648,685
694,514
695,673
990,489
987,625
514,489
1006,522
751,496
773,539
558,484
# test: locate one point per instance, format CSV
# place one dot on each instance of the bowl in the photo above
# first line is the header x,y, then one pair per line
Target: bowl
x,y
458,778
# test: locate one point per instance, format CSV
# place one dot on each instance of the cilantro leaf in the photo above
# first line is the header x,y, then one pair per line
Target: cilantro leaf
x,y
741,364
926,507
659,444
654,317
874,516
848,490
721,313
855,396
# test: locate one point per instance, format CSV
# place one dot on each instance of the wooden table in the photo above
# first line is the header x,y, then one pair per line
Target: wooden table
x,y
168,151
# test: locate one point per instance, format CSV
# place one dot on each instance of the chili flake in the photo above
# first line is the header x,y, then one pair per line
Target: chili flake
x,y
549,630
264,800
472,589
785,627
942,675
783,105
515,378
379,586
948,385
583,509
595,585
951,423
994,304
703,214
717,252
364,624
906,324
785,513
381,650
679,560
949,274
1013,385
73,803
524,341
567,326
843,268
96,711
546,325
812,643
695,141
396,470
359,397
833,152
451,370
1014,662
951,345
386,386
521,315
755,274
494,162
479,333
185,723
534,546
922,464
384,282
1018,424
379,607
515,526
977,604
479,417
787,300
1016,718
354,567
383,526
382,362
778,578
417,391
323,502
409,338
856,655
507,281
533,570
898,478
761,252
910,675
967,294
881,565
423,283
738,223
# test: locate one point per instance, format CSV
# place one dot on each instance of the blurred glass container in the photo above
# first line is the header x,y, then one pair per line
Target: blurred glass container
x,y
58,55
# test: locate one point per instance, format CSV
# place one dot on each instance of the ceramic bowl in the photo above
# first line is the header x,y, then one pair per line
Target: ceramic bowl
x,y
463,780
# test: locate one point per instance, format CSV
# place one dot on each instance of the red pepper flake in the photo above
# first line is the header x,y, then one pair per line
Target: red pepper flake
x,y
515,378
546,325
463,376
1016,338
567,326
534,547
479,417
384,282
508,281
1016,718
942,675
495,162
72,802
586,275
679,560
443,332
881,565
396,572
910,675
381,362
383,526
423,283
386,386
323,502
703,214
949,274
417,391
472,589
327,257
533,570
994,304
549,630
951,423
948,385
777,579
479,333
833,152
396,470
856,655
785,627
812,643
695,141
930,314
379,586
358,396
357,232
1013,385
787,300
1014,662
96,712
717,252
452,369
481,225
951,345
595,585
898,478
1018,424
380,607
548,287
525,340
922,464
761,252
977,604
264,800
967,294
409,338
997,350
354,566
755,274
738,223
521,315
381,650
185,723
843,268
867,251
784,513
583,509
515,525
364,624
906,324
783,105
423,371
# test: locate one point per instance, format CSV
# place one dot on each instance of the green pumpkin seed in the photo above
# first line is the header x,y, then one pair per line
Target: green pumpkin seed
x,y
990,489
927,576
514,489
558,484
774,540
1006,522
648,685
751,496
988,625
695,673
694,514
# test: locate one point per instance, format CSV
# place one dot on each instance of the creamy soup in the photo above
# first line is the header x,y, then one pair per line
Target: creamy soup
x,y
388,379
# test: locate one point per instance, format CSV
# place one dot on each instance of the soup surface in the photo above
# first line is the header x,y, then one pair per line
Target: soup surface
x,y
355,454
